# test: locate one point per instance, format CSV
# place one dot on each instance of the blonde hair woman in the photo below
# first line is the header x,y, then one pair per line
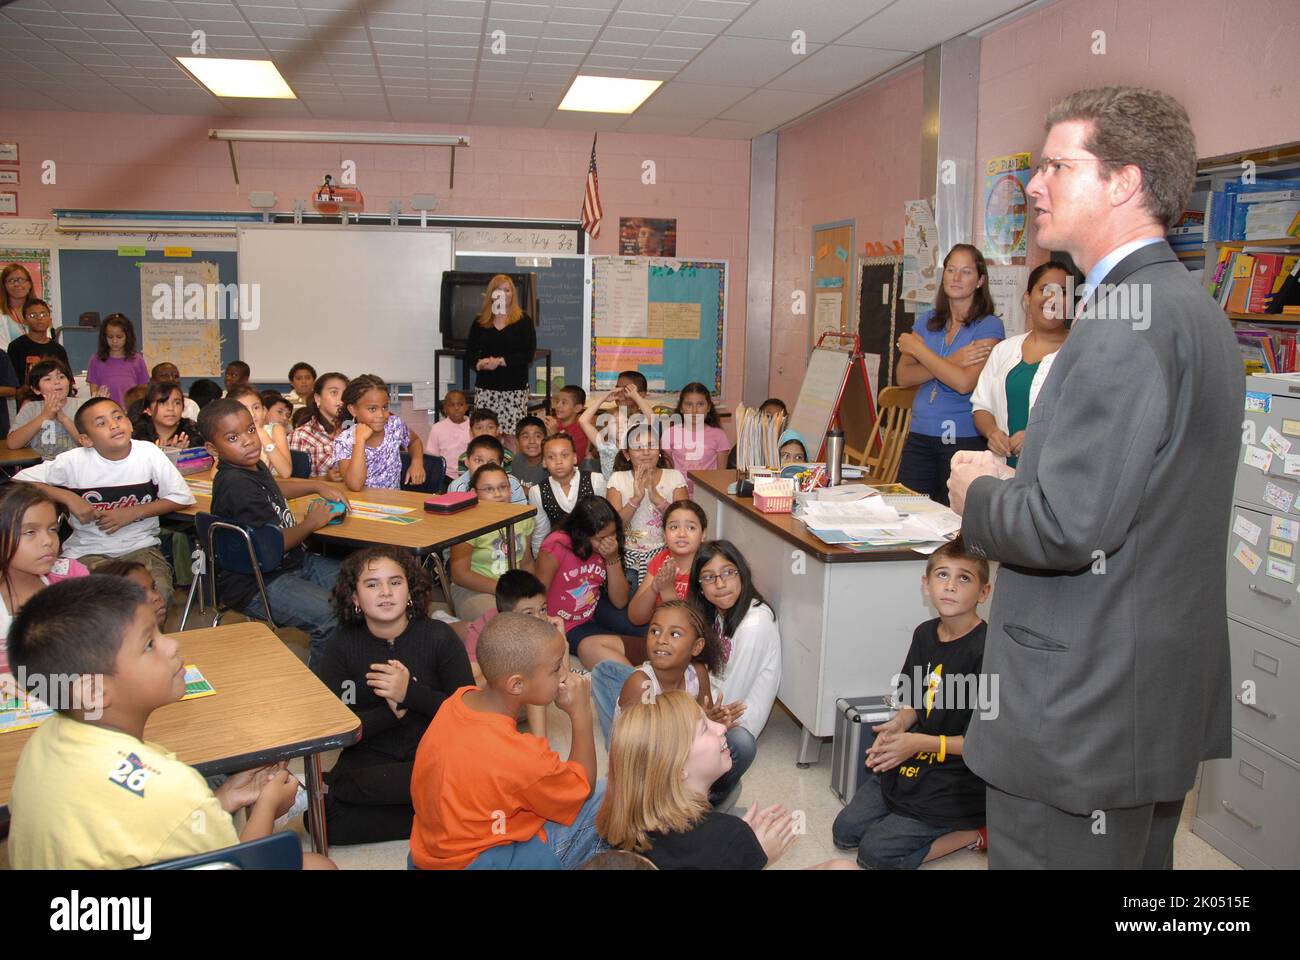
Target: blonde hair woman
x,y
500,349
664,756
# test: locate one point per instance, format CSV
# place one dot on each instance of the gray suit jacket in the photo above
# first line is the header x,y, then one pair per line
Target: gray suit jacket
x,y
1113,686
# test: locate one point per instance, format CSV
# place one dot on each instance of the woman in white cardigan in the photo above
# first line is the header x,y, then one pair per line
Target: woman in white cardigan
x,y
1017,367
723,588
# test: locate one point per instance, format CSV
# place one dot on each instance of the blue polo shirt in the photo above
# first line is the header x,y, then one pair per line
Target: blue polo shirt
x,y
928,418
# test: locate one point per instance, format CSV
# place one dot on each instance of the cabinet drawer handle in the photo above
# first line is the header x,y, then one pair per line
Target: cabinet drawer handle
x,y
1250,706
1281,476
1255,588
1244,819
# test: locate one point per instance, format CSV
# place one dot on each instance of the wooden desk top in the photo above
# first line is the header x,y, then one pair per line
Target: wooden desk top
x,y
268,707
24,455
788,528
429,532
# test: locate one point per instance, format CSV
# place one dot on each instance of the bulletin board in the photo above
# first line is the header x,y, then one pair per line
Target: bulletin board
x,y
103,281
663,317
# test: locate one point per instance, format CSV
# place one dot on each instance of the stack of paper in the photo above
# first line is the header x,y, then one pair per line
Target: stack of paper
x,y
873,522
756,438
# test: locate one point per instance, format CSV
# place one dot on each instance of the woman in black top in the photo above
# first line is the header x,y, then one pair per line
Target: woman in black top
x,y
501,345
393,666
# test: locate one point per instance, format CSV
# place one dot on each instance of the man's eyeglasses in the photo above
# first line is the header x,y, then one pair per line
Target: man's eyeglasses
x,y
1050,165
708,579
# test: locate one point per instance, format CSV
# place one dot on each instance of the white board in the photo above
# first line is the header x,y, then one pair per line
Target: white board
x,y
817,396
356,298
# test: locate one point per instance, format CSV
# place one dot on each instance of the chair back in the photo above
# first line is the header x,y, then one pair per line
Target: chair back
x,y
237,547
435,471
884,448
301,461
279,851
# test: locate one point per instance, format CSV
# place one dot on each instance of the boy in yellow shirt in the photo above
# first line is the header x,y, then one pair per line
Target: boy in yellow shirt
x,y
89,792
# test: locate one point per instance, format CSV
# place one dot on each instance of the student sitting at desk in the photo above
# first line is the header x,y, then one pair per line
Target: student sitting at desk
x,y
114,490
319,424
89,791
476,564
45,423
380,437
243,490
482,451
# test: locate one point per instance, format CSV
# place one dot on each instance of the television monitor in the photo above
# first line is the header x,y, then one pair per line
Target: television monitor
x,y
462,300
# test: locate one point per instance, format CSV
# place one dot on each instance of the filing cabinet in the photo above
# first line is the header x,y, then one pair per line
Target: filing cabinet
x,y
1246,805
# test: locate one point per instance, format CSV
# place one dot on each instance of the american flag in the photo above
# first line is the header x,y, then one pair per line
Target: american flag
x,y
591,211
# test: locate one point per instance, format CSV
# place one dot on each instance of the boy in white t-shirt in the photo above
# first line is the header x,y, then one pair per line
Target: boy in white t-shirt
x,y
115,489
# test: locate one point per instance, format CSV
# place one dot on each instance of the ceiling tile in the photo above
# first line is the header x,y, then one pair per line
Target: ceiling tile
x,y
641,21
692,100
518,11
918,25
728,59
730,130
773,107
820,22
454,24
684,40
834,69
679,126
663,7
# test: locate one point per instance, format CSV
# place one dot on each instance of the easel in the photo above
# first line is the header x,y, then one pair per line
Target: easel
x,y
851,403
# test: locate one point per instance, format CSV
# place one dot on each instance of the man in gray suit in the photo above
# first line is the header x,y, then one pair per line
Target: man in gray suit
x,y
1108,629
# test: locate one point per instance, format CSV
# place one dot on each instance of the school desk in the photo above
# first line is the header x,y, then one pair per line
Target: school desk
x,y
429,534
846,618
268,707
11,461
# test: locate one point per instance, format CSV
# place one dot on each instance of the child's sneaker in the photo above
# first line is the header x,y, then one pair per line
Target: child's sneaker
x,y
981,843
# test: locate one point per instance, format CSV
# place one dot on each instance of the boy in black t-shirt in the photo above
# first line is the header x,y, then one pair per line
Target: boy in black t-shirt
x,y
37,343
920,801
244,490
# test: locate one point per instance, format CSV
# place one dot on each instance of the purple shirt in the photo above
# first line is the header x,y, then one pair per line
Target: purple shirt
x,y
119,374
384,462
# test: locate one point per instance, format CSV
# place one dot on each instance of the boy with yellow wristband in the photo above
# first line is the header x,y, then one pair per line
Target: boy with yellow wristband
x,y
920,801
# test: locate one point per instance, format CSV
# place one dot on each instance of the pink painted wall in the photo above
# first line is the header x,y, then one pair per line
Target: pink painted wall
x,y
140,162
1232,64
859,162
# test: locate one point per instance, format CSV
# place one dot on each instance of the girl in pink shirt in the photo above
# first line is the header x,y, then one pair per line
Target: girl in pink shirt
x,y
697,441
581,567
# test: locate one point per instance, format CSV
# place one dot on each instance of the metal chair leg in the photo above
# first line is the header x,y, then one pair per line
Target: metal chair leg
x,y
444,581
196,588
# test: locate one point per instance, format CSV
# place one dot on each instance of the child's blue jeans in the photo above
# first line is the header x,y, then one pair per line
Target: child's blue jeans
x,y
565,848
301,598
884,840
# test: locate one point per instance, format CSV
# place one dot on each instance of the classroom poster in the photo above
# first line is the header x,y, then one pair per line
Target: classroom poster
x,y
1007,286
643,237
660,316
1006,208
180,310
920,255
826,317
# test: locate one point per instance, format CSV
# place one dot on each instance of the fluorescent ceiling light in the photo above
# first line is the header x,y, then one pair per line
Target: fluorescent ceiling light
x,y
239,78
306,136
607,94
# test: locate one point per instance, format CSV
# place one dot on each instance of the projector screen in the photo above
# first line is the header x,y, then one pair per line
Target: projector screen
x,y
356,298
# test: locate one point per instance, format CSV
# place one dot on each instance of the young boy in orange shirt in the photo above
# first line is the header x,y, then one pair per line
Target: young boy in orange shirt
x,y
488,797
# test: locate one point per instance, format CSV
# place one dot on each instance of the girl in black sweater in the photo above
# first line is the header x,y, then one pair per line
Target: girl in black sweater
x,y
393,666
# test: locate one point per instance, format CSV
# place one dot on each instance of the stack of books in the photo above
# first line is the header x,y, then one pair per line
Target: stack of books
x,y
1263,210
1246,282
1266,349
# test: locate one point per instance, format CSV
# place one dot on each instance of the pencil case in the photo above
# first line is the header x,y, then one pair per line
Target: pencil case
x,y
451,502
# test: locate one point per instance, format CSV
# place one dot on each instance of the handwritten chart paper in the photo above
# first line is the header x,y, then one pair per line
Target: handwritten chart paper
x,y
673,321
621,294
182,323
613,354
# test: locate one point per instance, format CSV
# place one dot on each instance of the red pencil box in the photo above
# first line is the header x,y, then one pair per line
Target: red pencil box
x,y
451,502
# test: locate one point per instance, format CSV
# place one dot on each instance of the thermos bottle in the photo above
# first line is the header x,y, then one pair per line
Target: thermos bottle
x,y
834,453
